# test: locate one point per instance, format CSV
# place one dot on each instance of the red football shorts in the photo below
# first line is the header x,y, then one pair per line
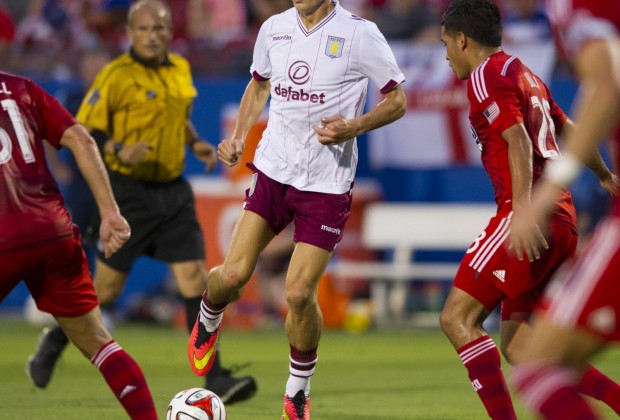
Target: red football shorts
x,y
492,274
587,295
56,274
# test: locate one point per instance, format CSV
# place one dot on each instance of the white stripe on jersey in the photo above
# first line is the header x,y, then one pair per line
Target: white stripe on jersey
x,y
479,84
506,64
493,242
568,303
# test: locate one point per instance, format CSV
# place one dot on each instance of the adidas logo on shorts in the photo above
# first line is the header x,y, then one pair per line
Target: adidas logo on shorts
x,y
500,274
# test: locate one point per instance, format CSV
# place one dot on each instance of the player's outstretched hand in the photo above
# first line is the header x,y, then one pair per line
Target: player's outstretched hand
x,y
336,129
229,151
114,231
206,153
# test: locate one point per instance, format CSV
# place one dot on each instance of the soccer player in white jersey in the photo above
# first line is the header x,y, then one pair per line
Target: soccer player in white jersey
x,y
315,61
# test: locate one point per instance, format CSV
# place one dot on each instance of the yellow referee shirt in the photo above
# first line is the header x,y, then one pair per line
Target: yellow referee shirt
x,y
134,102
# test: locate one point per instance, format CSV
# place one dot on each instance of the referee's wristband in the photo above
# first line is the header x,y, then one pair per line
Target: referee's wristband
x,y
563,171
117,148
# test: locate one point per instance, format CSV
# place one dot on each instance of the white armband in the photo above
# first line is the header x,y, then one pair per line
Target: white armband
x,y
563,171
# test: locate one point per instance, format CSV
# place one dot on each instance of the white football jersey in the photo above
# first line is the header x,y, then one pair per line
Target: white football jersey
x,y
317,73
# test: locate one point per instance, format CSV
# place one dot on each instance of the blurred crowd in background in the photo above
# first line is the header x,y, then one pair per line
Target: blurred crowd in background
x,y
46,38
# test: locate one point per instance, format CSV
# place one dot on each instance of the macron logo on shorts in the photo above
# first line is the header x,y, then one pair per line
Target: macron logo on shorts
x,y
335,231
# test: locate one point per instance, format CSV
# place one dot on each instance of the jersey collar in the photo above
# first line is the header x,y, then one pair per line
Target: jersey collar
x,y
319,25
147,63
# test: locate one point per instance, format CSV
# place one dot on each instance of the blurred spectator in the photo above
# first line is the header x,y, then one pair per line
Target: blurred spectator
x,y
525,22
222,33
7,28
49,37
107,18
180,37
260,10
409,20
216,21
361,8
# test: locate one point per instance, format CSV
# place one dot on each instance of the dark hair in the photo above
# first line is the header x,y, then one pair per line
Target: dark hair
x,y
478,19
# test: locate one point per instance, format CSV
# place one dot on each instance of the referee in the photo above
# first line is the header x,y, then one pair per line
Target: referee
x,y
138,110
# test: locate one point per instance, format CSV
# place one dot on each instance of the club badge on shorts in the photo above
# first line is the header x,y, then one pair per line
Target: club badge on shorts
x,y
333,49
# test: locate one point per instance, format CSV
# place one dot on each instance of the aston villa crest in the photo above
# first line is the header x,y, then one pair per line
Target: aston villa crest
x,y
333,49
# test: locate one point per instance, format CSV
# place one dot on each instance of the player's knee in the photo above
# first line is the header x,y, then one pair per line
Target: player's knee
x,y
446,321
299,298
453,321
236,277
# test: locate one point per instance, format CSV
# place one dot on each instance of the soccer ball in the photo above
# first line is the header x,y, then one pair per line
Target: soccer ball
x,y
196,404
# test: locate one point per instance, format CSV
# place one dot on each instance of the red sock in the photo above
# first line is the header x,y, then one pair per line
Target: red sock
x,y
598,386
126,380
483,364
551,391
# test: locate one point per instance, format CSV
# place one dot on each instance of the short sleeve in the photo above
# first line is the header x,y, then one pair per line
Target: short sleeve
x,y
261,65
497,98
377,61
55,119
95,109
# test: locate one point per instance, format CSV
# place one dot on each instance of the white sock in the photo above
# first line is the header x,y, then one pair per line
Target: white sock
x,y
210,318
299,378
295,383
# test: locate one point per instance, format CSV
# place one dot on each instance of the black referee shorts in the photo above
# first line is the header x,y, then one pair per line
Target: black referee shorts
x,y
163,222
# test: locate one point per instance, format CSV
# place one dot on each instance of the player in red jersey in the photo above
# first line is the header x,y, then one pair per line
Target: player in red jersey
x,y
39,242
581,310
514,120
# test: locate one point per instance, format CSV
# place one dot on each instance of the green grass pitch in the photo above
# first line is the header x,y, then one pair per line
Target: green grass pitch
x,y
379,375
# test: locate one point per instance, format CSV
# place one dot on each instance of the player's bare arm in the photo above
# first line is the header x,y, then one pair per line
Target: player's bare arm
x,y
253,103
114,230
202,149
599,101
336,129
608,180
520,151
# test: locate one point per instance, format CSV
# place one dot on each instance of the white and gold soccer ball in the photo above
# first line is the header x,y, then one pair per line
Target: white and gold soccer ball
x,y
196,404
